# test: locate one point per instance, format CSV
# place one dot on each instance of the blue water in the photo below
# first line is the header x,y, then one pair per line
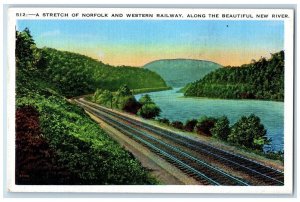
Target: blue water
x,y
176,107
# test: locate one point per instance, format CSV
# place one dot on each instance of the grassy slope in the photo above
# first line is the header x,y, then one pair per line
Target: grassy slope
x,y
179,72
85,153
56,142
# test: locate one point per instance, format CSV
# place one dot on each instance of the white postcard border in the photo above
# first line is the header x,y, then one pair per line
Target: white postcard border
x,y
288,104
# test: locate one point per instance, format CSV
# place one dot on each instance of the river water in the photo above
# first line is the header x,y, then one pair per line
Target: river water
x,y
176,107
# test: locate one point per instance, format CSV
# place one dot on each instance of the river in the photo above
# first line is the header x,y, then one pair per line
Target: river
x,y
176,107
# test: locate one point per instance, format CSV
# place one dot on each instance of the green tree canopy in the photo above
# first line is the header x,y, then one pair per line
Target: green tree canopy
x,y
221,129
249,132
124,91
190,125
205,124
146,99
262,79
130,104
26,52
149,111
177,124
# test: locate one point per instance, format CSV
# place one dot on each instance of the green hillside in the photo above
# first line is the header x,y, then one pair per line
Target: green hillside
x,y
74,74
56,141
263,79
179,72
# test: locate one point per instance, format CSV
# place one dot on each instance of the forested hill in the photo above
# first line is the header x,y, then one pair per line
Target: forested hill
x,y
57,143
74,74
179,72
263,79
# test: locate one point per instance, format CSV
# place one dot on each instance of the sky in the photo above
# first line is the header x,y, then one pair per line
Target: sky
x,y
138,42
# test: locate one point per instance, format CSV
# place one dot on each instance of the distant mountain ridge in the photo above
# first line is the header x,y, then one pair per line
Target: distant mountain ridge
x,y
179,72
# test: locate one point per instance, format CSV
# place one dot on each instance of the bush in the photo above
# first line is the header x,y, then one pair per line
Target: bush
x,y
146,99
221,130
190,125
36,162
165,121
124,91
124,100
149,111
278,155
177,124
103,97
249,132
205,124
129,104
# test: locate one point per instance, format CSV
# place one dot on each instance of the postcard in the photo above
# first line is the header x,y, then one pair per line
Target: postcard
x,y
150,100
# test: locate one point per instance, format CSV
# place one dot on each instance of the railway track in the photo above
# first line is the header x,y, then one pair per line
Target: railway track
x,y
196,168
267,175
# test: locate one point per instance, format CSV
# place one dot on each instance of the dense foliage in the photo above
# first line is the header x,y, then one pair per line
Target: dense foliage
x,y
177,124
56,142
164,121
74,74
26,52
179,72
81,147
190,125
205,124
124,99
105,97
221,128
248,132
149,109
263,79
36,162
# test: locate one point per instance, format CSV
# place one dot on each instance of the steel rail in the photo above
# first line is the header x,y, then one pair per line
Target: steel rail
x,y
165,154
160,151
223,157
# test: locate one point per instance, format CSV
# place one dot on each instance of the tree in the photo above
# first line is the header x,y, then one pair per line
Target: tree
x,y
124,91
177,124
122,96
205,124
146,99
165,121
130,104
97,93
249,132
221,130
190,125
107,97
26,52
103,97
149,111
